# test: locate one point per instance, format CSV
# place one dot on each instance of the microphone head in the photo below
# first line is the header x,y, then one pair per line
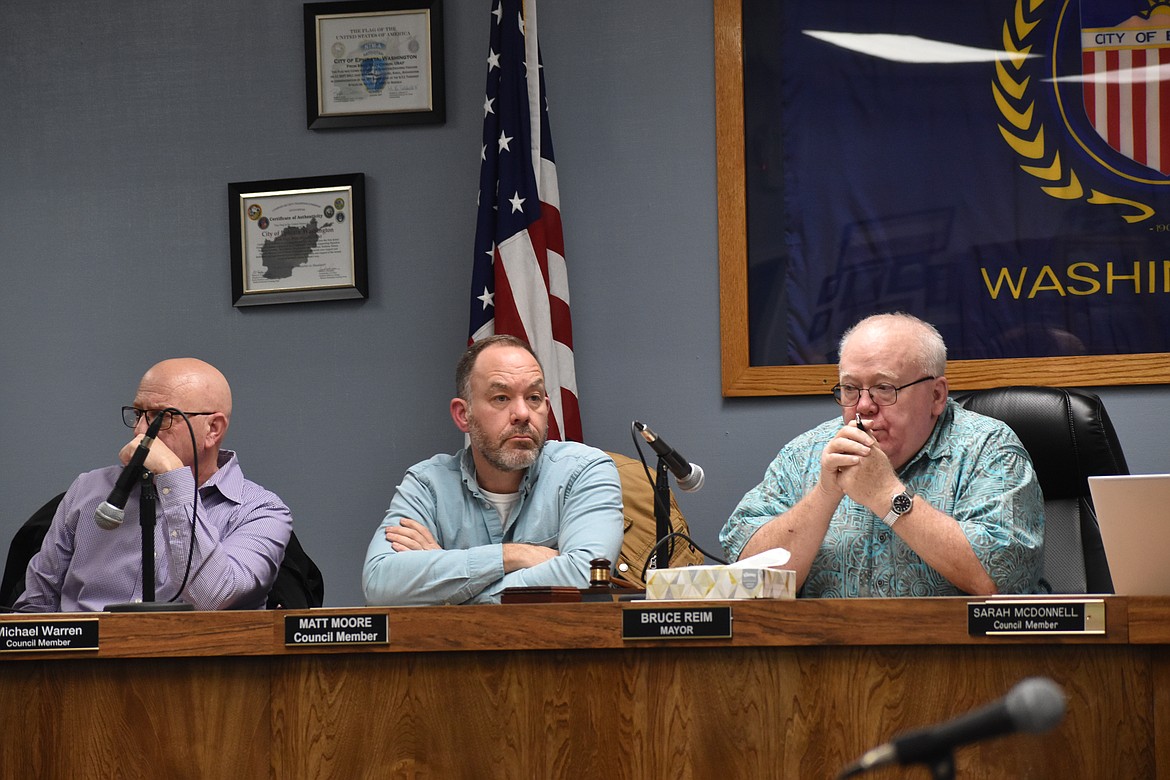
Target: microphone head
x,y
693,481
108,517
1036,704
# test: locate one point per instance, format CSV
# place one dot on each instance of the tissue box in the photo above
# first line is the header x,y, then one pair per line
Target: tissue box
x,y
721,582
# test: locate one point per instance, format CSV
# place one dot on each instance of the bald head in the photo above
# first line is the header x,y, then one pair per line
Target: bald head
x,y
198,389
189,384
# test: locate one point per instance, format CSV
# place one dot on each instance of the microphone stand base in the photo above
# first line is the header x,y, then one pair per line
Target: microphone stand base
x,y
151,606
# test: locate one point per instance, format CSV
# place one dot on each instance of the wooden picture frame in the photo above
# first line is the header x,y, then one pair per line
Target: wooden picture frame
x,y
740,378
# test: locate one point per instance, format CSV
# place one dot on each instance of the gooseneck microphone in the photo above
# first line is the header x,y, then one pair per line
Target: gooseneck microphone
x,y
689,476
111,512
1035,704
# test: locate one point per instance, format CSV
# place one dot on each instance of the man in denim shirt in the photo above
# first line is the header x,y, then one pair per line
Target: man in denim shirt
x,y
510,510
905,494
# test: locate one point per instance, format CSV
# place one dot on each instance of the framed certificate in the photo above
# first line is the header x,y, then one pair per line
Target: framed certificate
x,y
374,62
298,240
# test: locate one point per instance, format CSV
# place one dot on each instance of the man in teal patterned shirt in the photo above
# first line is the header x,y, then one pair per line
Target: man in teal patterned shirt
x,y
907,494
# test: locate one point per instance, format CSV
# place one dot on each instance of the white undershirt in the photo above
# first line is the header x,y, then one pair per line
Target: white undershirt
x,y
503,502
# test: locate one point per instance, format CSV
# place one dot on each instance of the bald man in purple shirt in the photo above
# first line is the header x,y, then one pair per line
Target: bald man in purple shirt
x,y
241,528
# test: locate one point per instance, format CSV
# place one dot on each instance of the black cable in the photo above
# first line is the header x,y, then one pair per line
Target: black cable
x,y
679,535
194,501
653,491
658,503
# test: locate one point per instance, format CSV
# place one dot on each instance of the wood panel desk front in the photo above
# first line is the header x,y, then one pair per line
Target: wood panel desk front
x,y
543,691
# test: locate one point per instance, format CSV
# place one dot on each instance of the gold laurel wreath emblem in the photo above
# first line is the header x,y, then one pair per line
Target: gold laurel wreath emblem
x,y
1025,135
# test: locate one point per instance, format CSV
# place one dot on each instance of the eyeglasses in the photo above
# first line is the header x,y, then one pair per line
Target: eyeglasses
x,y
131,415
883,394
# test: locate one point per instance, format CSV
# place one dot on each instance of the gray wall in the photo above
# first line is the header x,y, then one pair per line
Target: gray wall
x,y
122,124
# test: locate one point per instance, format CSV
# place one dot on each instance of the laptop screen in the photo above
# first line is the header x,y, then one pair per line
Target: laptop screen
x,y
1134,514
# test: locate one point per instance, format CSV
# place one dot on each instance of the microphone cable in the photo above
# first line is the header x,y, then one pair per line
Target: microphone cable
x,y
653,488
673,535
194,502
670,537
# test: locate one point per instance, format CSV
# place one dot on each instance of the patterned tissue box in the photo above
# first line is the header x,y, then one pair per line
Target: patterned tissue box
x,y
721,582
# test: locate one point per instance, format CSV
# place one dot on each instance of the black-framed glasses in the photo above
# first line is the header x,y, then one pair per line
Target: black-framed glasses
x,y
131,415
883,394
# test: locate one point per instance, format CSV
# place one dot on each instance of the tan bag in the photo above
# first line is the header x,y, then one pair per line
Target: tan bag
x,y
638,501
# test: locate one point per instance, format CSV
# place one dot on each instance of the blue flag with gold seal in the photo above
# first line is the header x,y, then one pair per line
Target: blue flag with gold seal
x,y
1001,169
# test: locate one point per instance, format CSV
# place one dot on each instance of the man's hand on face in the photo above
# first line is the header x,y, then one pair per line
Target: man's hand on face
x,y
410,535
852,464
159,460
871,482
845,450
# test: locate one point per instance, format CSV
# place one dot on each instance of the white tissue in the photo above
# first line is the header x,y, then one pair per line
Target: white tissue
x,y
768,559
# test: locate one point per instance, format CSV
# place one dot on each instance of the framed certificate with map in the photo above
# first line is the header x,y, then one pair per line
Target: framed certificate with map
x,y
296,240
374,62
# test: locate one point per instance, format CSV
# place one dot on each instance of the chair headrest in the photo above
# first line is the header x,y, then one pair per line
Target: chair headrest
x,y
1067,432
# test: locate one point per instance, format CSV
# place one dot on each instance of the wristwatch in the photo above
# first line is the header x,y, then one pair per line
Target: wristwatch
x,y
899,505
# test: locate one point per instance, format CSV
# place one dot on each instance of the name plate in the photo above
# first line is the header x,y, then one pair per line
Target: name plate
x,y
316,630
676,623
48,635
1003,617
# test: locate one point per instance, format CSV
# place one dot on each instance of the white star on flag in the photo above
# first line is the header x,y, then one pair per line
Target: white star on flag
x,y
526,293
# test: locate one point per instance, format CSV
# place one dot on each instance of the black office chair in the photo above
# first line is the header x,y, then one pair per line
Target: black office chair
x,y
1070,437
298,585
24,546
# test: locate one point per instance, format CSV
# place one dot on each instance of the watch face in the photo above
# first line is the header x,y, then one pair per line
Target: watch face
x,y
902,503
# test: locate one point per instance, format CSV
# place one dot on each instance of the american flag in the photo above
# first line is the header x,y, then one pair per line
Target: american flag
x,y
519,284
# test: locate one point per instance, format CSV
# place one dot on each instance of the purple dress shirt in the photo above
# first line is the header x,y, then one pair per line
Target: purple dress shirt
x,y
240,538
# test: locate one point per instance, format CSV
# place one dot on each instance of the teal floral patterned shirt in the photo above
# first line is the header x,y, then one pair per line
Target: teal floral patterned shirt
x,y
972,468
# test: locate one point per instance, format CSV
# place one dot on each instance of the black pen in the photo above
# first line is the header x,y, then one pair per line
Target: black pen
x,y
860,427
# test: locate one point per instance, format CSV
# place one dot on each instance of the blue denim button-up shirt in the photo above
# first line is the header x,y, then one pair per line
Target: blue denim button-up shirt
x,y
570,500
